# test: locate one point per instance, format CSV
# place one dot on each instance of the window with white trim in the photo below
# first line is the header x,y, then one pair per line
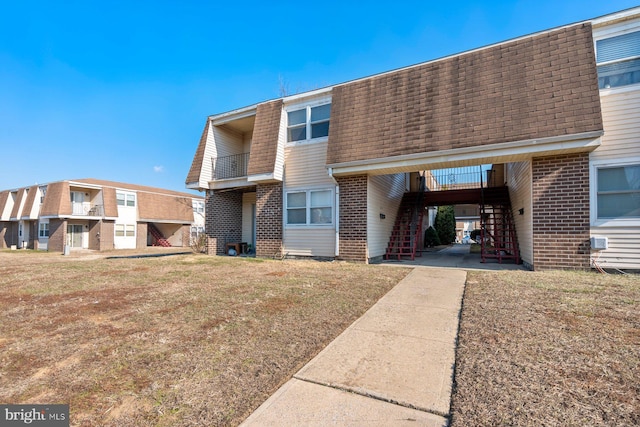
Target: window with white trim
x,y
43,230
618,192
618,60
125,230
126,199
198,206
309,207
308,123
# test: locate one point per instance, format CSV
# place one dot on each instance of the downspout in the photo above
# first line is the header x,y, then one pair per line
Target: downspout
x,y
337,213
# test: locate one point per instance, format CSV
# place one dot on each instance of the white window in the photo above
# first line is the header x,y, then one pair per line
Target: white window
x,y
310,207
43,230
43,192
198,206
618,192
308,123
125,230
618,60
126,199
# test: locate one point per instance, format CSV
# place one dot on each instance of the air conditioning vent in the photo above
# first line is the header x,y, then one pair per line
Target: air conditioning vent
x,y
599,243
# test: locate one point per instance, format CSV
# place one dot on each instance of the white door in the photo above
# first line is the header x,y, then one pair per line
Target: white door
x,y
77,202
74,235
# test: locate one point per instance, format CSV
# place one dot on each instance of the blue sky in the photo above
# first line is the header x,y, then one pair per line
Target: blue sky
x,y
120,90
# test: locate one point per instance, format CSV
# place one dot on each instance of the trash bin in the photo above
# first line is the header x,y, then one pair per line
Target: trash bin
x,y
67,250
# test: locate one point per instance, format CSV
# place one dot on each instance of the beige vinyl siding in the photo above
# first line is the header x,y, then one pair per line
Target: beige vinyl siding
x,y
227,142
306,166
313,242
623,251
246,142
221,142
206,173
384,194
305,169
248,199
519,183
621,118
278,171
620,143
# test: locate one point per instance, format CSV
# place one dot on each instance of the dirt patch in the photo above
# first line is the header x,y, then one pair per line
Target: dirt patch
x,y
548,348
173,341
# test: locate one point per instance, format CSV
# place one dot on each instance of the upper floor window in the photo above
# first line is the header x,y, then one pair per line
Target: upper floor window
x,y
126,199
308,123
198,206
618,60
618,192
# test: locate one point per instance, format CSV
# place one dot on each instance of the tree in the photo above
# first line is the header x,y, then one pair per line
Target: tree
x,y
445,224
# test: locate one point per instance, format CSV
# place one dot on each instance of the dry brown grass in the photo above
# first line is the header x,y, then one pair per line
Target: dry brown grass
x,y
548,349
180,340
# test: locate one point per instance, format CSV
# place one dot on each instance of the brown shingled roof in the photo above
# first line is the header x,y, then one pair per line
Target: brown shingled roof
x,y
535,87
133,187
158,207
110,202
16,206
4,197
56,200
264,143
196,165
28,204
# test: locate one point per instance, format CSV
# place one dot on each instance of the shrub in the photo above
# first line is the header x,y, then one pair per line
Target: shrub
x,y
431,238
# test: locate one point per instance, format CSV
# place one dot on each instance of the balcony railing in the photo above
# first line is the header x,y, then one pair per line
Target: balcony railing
x,y
85,209
462,178
234,166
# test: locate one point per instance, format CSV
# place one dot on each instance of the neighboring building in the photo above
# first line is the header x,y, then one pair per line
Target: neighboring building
x,y
98,215
323,173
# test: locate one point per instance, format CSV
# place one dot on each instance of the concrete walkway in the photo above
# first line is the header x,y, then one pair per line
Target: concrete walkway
x,y
456,256
392,366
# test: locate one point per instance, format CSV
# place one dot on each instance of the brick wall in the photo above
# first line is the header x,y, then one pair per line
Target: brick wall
x,y
186,236
94,235
561,212
268,219
57,235
353,218
107,232
223,221
141,235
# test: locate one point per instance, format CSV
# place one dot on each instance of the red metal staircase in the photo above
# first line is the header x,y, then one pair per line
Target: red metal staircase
x,y
498,231
407,228
157,235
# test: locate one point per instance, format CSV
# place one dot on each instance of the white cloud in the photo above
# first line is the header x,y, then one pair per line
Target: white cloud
x,y
158,169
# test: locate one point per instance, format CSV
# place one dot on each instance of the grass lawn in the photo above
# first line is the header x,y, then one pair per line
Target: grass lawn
x,y
197,340
180,340
548,349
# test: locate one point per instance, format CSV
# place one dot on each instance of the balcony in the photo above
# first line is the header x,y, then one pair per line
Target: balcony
x,y
462,178
86,209
234,166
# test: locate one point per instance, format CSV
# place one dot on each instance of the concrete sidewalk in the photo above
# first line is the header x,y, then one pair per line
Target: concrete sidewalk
x,y
392,366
